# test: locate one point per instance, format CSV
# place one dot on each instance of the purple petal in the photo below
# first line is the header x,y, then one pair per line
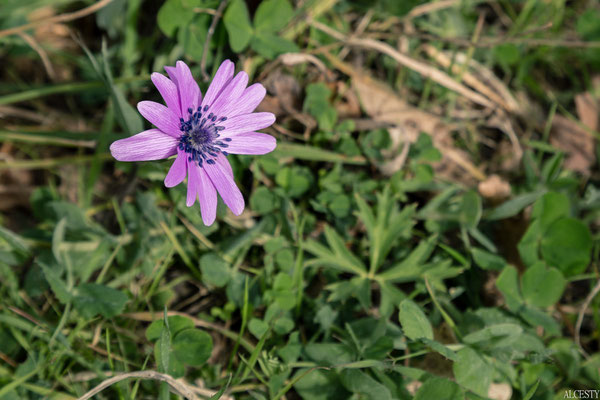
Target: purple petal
x,y
207,196
172,71
193,182
230,94
246,123
161,117
188,88
251,143
168,91
221,79
226,187
148,145
224,163
177,171
249,100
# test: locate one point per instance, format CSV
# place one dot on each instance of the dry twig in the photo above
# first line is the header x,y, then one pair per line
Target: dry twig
x,y
427,71
179,387
582,310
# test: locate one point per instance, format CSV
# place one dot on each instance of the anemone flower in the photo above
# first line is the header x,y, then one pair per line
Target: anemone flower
x,y
201,132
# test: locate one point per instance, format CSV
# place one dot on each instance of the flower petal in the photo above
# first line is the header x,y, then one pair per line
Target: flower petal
x,y
248,101
221,79
251,143
178,170
172,71
148,145
246,123
224,163
230,94
188,88
207,196
168,91
193,182
160,116
226,186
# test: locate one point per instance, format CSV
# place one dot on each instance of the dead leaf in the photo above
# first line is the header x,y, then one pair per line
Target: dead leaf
x,y
578,144
494,188
383,105
587,110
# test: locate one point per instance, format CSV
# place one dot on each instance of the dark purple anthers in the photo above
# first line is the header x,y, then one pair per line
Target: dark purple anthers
x,y
199,138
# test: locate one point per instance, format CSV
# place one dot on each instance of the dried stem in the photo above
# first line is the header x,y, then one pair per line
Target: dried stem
x,y
209,35
584,307
179,387
57,19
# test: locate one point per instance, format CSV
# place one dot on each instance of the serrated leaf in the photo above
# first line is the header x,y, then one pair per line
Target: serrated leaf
x,y
414,321
58,286
472,371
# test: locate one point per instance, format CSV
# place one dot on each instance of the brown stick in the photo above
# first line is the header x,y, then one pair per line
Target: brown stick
x,y
57,19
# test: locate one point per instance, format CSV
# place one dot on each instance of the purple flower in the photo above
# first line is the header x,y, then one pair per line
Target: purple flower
x,y
201,131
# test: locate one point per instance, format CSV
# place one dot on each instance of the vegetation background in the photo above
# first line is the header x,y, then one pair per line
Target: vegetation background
x,y
427,227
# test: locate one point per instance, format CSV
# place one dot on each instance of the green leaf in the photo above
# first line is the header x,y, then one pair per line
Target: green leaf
x,y
439,389
497,333
172,15
91,299
215,271
567,245
550,207
164,345
317,104
529,244
439,348
488,261
513,206
531,391
357,381
58,286
536,318
329,354
508,284
301,152
470,209
257,327
472,371
58,237
541,286
414,321
192,346
272,15
176,323
263,201
270,45
237,23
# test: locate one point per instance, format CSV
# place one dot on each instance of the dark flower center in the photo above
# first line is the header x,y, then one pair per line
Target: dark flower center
x,y
200,138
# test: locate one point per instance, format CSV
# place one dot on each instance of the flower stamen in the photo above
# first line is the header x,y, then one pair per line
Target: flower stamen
x,y
200,134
